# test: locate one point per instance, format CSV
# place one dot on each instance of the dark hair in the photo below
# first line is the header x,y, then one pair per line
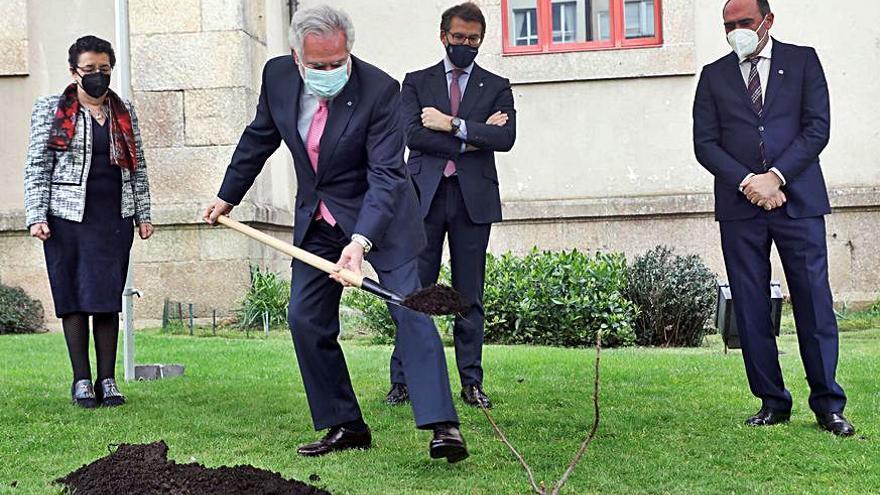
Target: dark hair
x,y
89,44
763,6
468,12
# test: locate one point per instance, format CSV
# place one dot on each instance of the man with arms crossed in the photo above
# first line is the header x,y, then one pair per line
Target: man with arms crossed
x,y
456,116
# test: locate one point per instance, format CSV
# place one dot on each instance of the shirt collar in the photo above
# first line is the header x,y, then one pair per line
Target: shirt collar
x,y
449,67
767,52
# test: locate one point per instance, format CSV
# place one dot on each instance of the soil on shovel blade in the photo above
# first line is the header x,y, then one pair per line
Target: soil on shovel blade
x,y
437,300
135,469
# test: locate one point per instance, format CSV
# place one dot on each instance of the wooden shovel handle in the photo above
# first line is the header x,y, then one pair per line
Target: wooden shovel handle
x,y
293,251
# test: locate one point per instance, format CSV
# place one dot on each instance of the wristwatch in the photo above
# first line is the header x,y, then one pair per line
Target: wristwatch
x,y
456,124
363,241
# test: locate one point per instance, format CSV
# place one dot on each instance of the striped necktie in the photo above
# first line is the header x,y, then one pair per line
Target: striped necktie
x,y
757,99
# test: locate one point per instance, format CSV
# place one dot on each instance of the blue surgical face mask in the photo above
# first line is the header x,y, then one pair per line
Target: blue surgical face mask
x,y
326,84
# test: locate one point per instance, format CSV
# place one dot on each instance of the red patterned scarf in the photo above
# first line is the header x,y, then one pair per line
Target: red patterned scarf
x,y
123,152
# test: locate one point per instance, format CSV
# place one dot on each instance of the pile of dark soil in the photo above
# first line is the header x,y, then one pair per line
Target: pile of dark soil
x,y
437,300
145,469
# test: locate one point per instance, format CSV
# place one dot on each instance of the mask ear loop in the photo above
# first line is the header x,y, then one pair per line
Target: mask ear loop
x,y
766,33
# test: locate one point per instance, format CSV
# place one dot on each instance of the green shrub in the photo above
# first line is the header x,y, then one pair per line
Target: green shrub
x,y
675,296
546,298
268,293
557,299
19,313
372,316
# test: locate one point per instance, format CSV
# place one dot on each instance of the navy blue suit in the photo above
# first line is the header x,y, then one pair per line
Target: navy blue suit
x,y
362,179
463,206
795,127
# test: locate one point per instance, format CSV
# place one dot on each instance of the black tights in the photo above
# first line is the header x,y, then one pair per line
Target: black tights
x,y
76,333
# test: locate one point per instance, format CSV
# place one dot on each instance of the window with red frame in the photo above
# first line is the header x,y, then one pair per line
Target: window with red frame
x,y
542,26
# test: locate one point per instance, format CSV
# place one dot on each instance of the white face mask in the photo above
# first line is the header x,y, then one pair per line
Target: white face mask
x,y
745,41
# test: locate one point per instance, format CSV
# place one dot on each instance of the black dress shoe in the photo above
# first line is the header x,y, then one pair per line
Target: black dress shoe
x,y
398,394
473,395
107,393
448,443
836,423
83,394
769,417
338,438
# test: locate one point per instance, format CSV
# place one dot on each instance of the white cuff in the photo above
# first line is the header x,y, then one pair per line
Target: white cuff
x,y
462,131
742,188
778,174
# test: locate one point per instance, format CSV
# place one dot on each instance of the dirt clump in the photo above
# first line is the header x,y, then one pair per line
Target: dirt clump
x,y
135,469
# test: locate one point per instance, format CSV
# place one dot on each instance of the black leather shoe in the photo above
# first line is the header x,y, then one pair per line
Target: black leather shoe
x,y
107,393
769,417
448,443
338,438
83,394
836,423
398,394
473,395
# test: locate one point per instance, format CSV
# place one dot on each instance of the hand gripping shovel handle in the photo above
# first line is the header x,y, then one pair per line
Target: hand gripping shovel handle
x,y
313,260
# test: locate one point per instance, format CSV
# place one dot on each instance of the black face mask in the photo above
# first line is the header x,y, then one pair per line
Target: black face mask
x,y
461,56
96,84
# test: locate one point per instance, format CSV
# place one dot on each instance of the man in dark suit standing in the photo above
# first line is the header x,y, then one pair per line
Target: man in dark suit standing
x,y
761,119
456,116
339,116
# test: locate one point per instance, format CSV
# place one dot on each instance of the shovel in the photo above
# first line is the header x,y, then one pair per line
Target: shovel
x,y
434,300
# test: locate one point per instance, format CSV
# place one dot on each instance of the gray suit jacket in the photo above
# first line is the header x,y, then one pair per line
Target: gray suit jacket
x,y
55,181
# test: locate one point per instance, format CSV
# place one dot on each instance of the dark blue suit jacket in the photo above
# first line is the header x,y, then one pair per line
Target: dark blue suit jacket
x,y
795,126
486,93
361,174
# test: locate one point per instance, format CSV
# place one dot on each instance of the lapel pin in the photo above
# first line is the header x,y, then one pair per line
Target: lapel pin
x,y
781,72
481,85
349,103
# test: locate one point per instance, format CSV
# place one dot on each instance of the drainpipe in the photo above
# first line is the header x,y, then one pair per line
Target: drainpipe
x,y
123,74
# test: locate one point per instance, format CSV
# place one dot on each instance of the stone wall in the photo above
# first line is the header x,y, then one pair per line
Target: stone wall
x,y
195,80
13,38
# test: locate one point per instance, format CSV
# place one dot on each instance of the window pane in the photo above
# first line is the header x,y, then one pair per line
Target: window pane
x,y
580,21
524,22
639,18
564,21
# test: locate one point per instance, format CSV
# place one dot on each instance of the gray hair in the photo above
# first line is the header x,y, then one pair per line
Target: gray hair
x,y
322,20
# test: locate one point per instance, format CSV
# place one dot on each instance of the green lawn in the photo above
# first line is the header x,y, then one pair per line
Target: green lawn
x,y
672,420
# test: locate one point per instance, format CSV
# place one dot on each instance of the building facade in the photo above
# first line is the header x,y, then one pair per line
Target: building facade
x,y
603,160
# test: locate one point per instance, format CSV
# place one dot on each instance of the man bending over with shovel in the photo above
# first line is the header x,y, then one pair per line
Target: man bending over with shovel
x,y
338,115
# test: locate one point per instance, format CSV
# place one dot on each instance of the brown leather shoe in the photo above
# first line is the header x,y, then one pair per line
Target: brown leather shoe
x,y
448,443
338,438
473,395
398,394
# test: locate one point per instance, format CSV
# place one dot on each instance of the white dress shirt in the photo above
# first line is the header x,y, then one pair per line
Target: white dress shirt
x,y
764,61
308,107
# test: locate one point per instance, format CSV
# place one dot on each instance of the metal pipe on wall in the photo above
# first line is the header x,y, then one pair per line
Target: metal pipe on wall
x,y
123,74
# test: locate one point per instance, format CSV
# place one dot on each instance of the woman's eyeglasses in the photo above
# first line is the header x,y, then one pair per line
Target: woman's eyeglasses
x,y
91,69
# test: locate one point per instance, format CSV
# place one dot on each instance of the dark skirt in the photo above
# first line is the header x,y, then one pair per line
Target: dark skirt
x,y
88,261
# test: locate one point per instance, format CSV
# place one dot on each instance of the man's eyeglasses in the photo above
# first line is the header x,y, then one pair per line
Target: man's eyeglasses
x,y
461,38
91,69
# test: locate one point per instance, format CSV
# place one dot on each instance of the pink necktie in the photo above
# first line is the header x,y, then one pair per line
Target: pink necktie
x,y
313,147
454,102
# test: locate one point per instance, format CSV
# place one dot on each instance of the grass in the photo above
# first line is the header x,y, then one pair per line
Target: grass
x,y
672,420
